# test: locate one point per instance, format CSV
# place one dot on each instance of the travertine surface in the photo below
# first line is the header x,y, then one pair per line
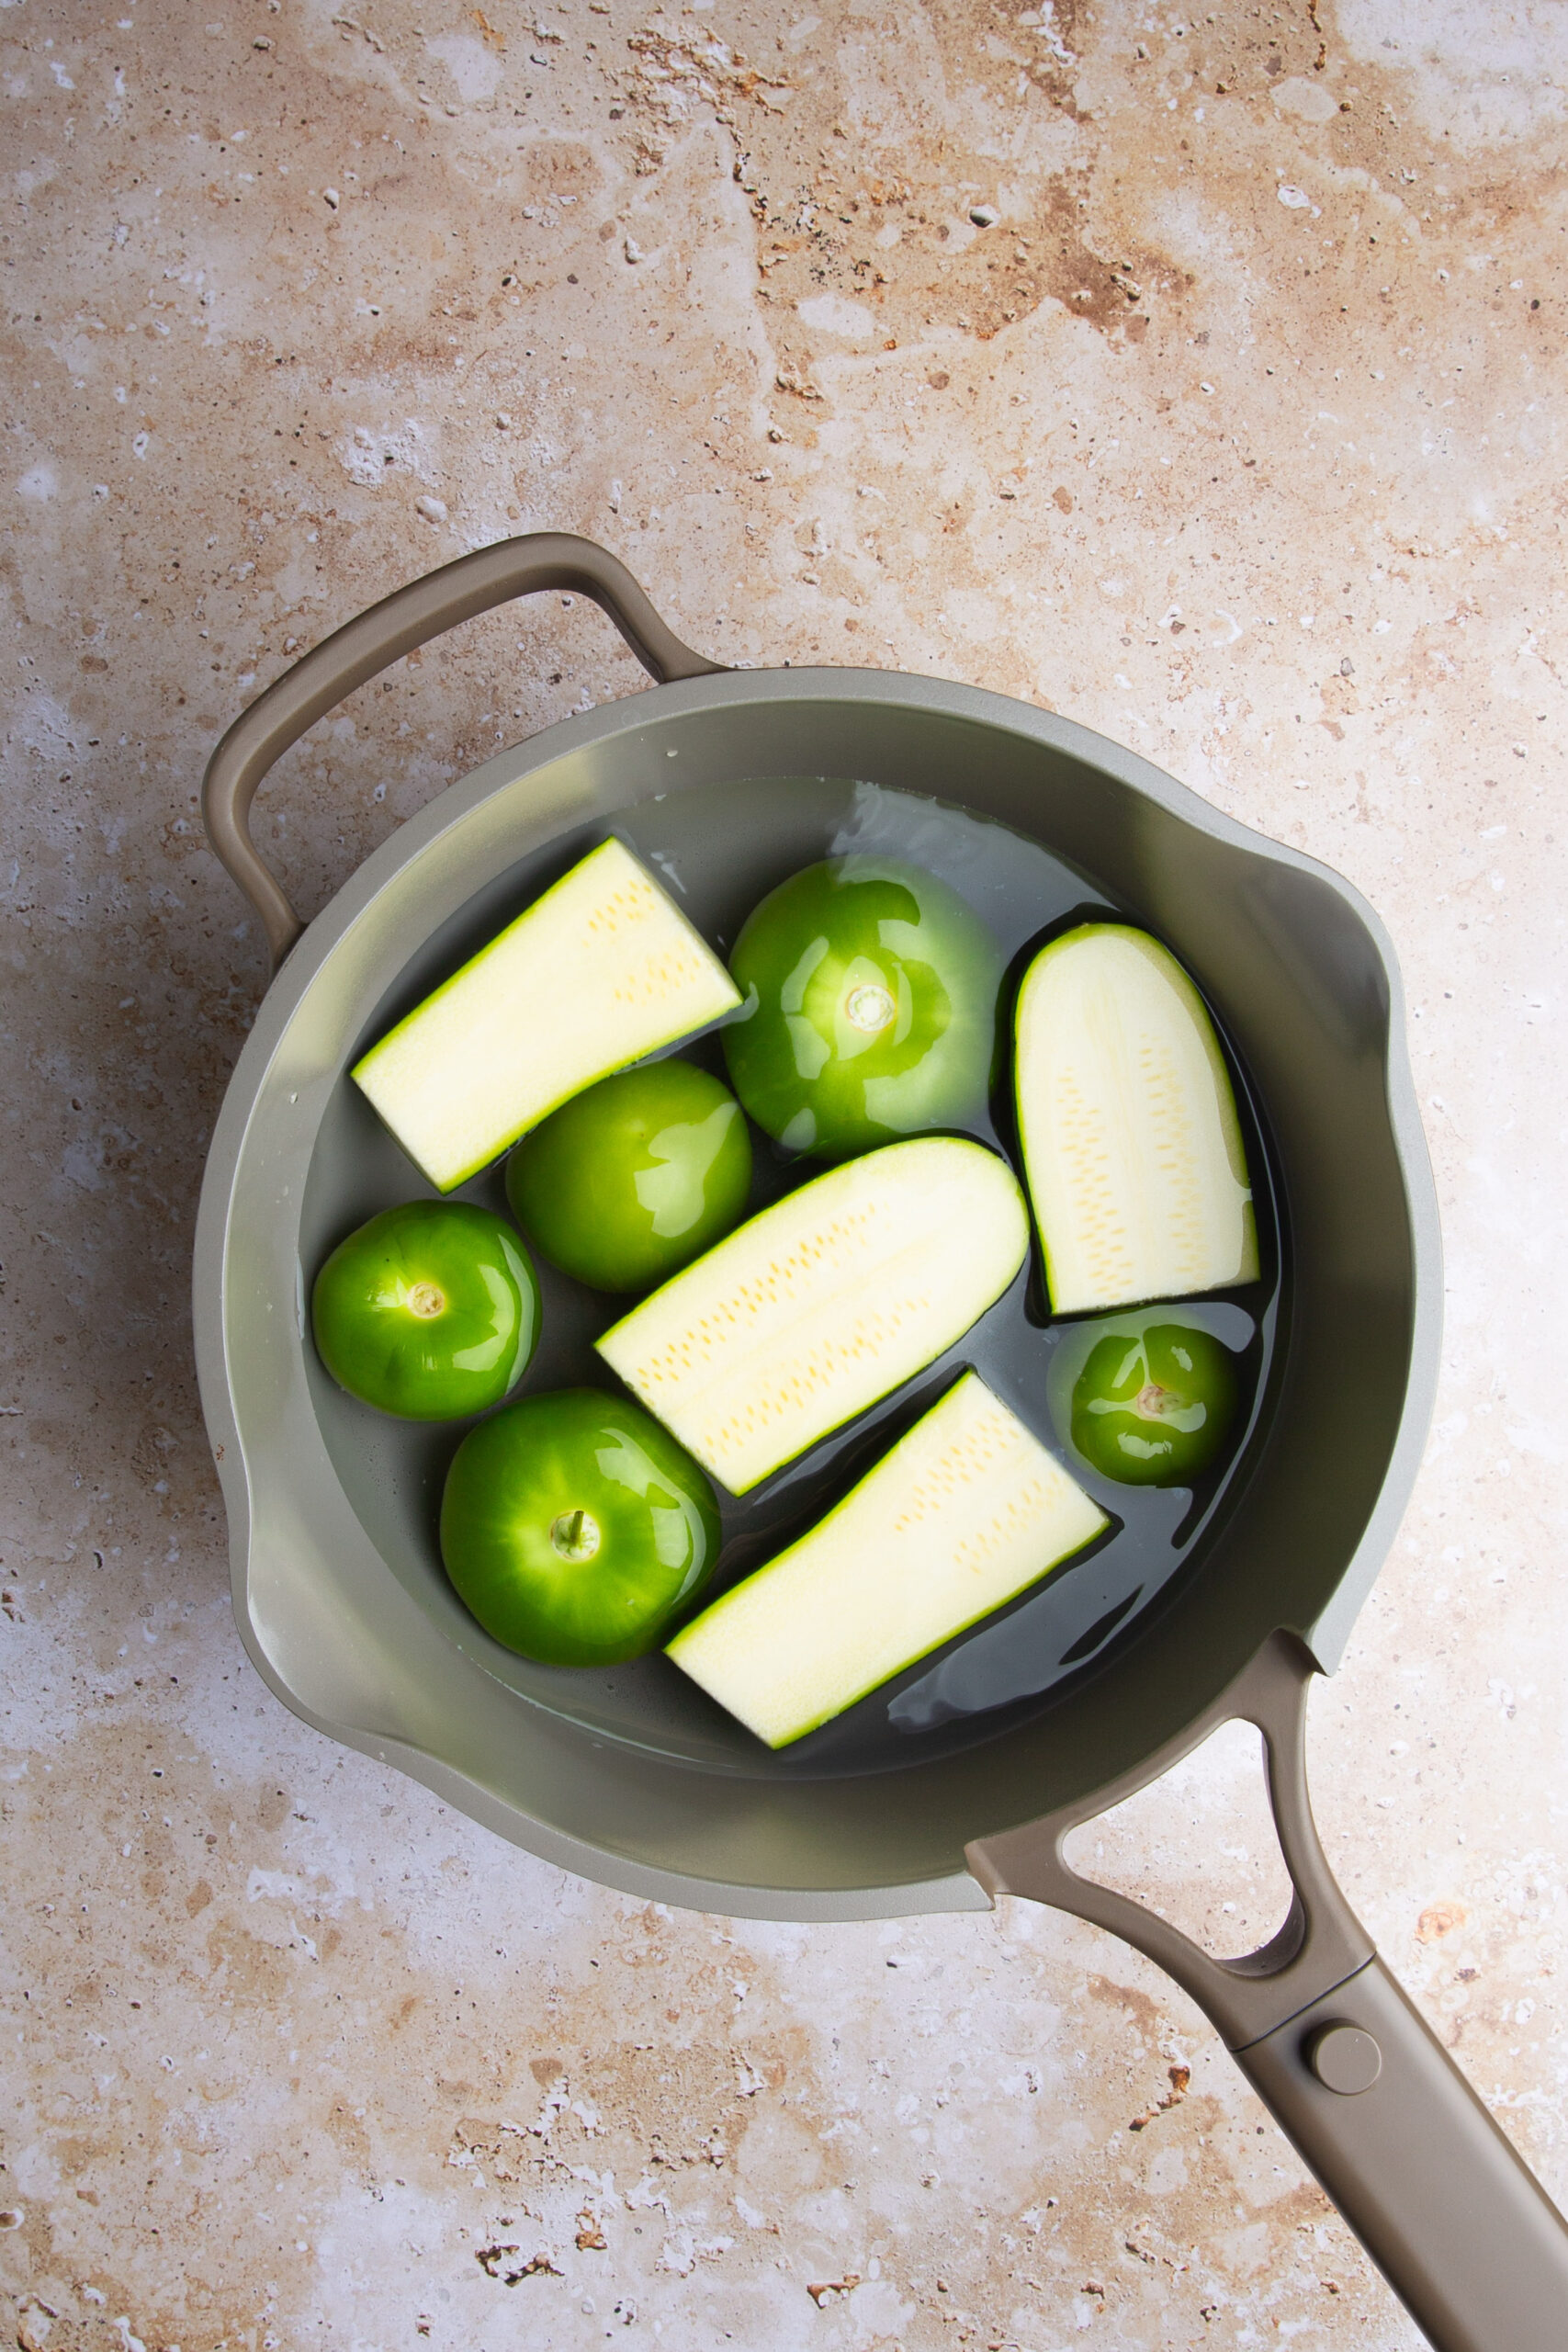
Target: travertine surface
x,y
1237,431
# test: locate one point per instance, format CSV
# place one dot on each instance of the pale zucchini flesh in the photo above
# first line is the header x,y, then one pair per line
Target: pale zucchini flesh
x,y
824,1302
601,970
966,1511
1132,1147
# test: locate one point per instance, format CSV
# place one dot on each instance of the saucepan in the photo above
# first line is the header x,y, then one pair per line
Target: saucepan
x,y
963,1780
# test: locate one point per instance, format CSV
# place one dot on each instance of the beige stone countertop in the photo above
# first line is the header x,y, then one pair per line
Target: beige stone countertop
x,y
1199,375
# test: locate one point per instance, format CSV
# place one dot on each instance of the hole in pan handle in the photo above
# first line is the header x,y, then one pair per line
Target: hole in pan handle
x,y
425,608
1460,2227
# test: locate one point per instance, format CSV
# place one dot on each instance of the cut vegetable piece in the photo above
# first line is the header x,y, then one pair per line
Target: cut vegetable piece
x,y
966,1511
601,970
1132,1147
824,1302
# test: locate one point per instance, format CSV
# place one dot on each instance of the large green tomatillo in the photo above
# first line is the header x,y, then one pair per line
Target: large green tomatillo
x,y
1153,1407
872,990
431,1311
632,1179
576,1528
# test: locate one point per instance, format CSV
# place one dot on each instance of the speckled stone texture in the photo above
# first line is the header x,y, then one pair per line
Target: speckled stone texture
x,y
1197,375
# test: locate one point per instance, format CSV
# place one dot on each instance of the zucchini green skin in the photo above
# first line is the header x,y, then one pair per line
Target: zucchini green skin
x,y
823,1304
1132,1147
966,1511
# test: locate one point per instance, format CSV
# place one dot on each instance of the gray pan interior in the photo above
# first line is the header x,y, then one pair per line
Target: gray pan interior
x,y
726,783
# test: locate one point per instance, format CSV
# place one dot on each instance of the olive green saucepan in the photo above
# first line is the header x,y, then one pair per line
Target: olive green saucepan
x,y
726,782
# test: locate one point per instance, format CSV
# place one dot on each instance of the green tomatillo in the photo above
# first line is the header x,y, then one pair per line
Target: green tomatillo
x,y
872,988
576,1528
635,1177
431,1311
1152,1407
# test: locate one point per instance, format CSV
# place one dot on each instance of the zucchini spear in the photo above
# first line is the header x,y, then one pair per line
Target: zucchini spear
x,y
966,1512
601,970
1132,1149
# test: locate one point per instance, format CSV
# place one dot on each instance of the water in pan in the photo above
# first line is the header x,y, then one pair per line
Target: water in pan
x,y
719,849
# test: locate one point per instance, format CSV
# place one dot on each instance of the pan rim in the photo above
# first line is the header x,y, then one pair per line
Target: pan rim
x,y
335,924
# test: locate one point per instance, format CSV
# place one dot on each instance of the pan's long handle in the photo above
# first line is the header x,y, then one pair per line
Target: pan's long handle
x,y
1459,2226
1464,2234
492,575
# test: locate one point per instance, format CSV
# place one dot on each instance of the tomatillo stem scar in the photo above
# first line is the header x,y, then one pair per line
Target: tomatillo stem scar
x,y
575,1535
870,1008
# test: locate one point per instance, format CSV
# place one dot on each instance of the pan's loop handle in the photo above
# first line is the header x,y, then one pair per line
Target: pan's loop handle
x,y
492,575
1461,2230
1322,1941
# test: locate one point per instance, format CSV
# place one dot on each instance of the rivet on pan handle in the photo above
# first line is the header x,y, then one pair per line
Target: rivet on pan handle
x,y
425,608
1460,2227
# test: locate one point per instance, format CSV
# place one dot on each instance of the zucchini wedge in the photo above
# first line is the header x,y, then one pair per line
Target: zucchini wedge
x,y
823,1304
1132,1147
601,970
966,1512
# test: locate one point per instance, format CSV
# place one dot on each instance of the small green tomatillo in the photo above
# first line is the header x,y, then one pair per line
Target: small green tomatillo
x,y
1152,1407
872,994
635,1177
576,1528
431,1311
